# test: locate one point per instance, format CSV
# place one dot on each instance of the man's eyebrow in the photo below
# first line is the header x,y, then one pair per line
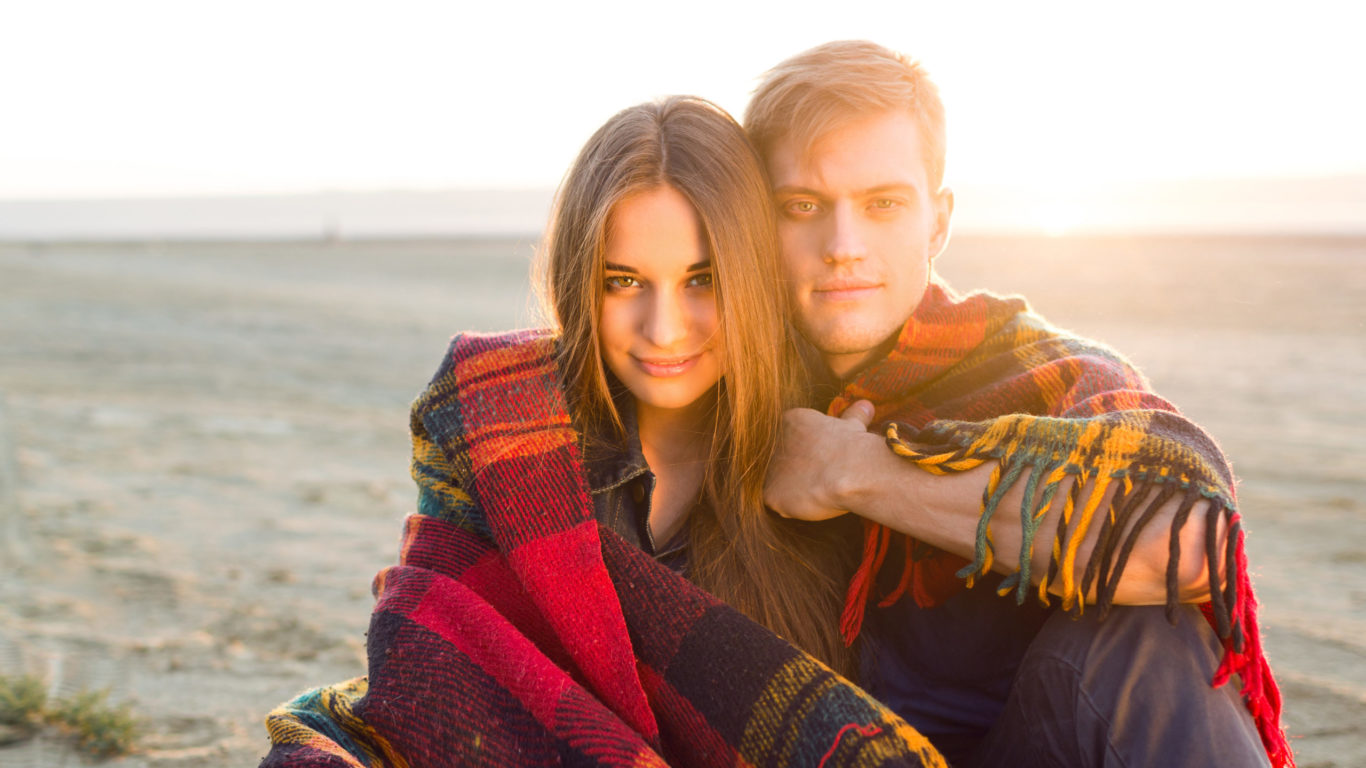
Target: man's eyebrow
x,y
790,189
698,267
893,187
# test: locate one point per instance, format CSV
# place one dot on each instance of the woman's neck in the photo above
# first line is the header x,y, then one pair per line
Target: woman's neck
x,y
676,444
676,435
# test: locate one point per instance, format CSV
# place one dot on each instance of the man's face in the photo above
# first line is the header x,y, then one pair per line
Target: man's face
x,y
860,225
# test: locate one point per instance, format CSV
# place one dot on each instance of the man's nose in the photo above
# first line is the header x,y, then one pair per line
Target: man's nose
x,y
845,241
666,321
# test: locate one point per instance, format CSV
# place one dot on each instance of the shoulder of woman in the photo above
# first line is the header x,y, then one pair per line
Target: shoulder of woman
x,y
471,351
469,346
477,356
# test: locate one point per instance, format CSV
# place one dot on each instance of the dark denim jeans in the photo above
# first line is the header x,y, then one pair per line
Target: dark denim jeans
x,y
1128,691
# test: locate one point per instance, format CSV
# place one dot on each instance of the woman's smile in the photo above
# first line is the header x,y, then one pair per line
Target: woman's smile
x,y
661,367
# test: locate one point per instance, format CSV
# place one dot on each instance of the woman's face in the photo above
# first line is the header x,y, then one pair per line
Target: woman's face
x,y
659,329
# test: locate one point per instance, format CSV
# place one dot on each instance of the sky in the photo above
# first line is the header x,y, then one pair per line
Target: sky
x,y
140,98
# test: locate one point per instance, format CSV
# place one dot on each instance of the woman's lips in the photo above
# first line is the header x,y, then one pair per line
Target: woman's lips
x,y
666,367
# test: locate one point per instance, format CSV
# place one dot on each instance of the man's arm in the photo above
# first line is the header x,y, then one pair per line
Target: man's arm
x,y
827,466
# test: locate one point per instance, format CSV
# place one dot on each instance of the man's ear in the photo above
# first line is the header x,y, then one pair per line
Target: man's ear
x,y
943,213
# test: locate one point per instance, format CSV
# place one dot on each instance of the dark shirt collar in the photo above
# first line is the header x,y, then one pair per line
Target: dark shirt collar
x,y
609,461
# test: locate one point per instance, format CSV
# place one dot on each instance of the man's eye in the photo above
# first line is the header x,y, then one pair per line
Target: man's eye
x,y
703,280
801,206
622,282
886,203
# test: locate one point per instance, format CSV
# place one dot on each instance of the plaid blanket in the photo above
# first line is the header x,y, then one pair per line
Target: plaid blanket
x,y
517,631
981,379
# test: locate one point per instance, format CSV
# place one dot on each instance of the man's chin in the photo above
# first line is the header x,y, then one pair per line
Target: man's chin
x,y
845,341
846,349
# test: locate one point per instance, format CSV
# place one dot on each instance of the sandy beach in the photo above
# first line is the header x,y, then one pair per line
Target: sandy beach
x,y
204,451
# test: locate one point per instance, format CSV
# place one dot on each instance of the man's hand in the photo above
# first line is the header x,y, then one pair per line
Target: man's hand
x,y
826,467
817,459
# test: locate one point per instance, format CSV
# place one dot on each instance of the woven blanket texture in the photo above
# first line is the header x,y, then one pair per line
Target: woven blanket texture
x,y
979,379
517,631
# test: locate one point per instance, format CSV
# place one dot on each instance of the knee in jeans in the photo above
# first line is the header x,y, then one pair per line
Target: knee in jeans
x,y
1128,640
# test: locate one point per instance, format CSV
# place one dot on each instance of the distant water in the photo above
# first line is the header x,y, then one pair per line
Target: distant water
x,y
319,216
1310,205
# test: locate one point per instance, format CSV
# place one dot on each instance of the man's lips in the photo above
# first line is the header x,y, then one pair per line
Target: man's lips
x,y
845,290
667,366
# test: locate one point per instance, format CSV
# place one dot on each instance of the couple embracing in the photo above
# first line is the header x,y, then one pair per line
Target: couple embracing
x,y
663,532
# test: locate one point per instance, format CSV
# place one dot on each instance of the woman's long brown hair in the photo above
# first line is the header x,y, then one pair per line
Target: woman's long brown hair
x,y
787,575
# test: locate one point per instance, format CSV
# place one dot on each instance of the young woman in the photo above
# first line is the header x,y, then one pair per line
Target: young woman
x,y
661,277
567,477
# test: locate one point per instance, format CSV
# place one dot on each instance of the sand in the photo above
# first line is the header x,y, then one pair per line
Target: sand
x,y
203,451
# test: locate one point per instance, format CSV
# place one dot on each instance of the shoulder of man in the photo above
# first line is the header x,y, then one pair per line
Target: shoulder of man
x,y
1019,345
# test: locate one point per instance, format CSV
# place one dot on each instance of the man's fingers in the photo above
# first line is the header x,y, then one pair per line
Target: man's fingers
x,y
860,411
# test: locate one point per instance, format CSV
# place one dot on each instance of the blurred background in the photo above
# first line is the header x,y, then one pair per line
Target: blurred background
x,y
234,239
307,119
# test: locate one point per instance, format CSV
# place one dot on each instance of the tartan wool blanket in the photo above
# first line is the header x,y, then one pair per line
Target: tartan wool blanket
x,y
517,631
980,379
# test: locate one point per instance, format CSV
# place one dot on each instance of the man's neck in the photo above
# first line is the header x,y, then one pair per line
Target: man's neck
x,y
847,366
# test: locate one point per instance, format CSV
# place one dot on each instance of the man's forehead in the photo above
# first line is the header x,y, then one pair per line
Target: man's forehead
x,y
871,149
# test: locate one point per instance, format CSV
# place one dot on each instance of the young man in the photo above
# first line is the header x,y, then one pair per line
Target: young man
x,y
1130,504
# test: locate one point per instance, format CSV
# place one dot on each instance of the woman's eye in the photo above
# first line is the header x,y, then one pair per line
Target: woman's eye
x,y
621,282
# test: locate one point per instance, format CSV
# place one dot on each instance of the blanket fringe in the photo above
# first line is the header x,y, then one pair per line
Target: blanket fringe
x,y
876,539
1231,609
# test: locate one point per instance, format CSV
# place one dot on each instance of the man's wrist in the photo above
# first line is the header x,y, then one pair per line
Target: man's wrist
x,y
864,460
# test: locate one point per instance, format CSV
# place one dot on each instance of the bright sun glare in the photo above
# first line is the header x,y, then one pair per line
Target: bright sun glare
x,y
1058,217
431,97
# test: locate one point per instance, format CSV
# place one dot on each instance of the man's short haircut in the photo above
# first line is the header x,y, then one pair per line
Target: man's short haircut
x,y
818,90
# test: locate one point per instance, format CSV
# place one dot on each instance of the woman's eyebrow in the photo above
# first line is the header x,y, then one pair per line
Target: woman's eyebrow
x,y
699,266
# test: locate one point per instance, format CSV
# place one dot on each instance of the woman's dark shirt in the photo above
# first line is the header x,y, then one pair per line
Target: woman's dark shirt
x,y
952,693
622,485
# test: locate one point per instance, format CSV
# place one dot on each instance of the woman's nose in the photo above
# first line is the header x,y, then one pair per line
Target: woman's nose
x,y
667,321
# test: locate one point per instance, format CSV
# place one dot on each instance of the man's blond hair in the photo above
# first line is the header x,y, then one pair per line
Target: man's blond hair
x,y
818,90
